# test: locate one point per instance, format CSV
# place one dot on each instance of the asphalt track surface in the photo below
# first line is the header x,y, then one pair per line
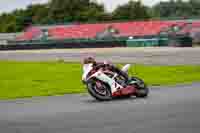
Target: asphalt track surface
x,y
166,110
155,55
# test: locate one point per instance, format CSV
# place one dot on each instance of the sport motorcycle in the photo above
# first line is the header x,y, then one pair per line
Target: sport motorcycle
x,y
105,82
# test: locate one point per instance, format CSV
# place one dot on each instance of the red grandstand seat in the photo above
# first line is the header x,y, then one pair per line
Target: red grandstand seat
x,y
30,33
140,28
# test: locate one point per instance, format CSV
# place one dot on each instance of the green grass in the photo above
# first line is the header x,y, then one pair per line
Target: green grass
x,y
27,79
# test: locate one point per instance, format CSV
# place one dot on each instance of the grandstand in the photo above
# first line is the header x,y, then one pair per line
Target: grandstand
x,y
125,29
112,34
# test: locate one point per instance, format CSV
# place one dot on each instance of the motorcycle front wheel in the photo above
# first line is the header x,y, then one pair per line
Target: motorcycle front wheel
x,y
99,90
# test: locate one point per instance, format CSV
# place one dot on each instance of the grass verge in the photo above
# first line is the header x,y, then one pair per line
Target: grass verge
x,y
27,79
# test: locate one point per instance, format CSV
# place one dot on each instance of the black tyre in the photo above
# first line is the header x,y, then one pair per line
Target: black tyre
x,y
142,90
100,94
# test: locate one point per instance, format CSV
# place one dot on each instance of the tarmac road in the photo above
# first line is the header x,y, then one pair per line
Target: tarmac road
x,y
155,55
166,110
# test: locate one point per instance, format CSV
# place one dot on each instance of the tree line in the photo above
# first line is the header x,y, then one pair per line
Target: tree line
x,y
68,11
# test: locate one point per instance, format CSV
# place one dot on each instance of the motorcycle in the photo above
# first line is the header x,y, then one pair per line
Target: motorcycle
x,y
105,83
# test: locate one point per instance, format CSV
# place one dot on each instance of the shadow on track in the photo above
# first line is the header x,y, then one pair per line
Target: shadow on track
x,y
114,100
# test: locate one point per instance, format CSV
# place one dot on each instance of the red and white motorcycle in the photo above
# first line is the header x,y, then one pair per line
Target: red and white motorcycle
x,y
104,82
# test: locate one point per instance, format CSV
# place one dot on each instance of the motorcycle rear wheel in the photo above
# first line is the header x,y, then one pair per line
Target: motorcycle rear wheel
x,y
143,90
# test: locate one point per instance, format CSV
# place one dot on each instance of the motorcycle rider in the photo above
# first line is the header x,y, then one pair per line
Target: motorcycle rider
x,y
91,60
